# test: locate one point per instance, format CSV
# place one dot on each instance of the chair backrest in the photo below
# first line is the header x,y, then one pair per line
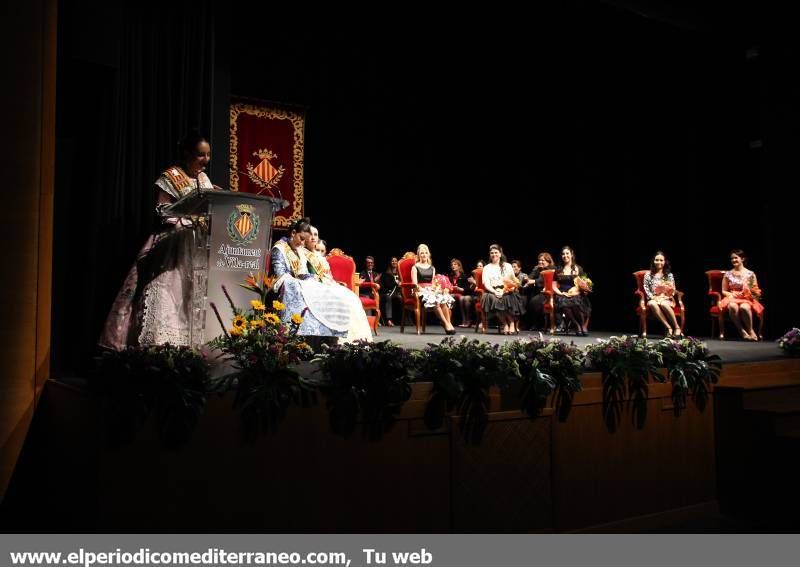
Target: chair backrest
x,y
404,269
477,275
547,278
343,268
639,275
715,280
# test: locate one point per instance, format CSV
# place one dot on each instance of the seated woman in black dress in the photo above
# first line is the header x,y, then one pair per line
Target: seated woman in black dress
x,y
533,290
391,298
462,285
501,297
569,299
522,277
430,291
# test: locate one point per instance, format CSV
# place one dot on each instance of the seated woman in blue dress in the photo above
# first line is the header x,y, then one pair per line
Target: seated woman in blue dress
x,y
328,309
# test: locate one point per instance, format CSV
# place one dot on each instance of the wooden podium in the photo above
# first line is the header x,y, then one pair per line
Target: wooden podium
x,y
232,235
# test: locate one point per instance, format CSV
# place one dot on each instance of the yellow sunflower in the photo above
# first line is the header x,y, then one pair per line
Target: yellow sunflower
x,y
297,319
272,318
278,306
257,324
239,321
258,305
236,331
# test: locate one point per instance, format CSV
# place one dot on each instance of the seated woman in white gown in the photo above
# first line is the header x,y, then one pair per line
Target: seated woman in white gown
x,y
304,287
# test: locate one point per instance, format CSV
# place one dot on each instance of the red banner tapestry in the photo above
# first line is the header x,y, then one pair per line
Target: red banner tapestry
x,y
266,155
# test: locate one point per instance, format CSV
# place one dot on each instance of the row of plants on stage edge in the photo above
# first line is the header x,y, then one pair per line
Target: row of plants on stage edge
x,y
368,383
628,364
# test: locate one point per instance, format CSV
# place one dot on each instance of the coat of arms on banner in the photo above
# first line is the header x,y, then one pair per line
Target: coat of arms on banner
x,y
265,174
266,155
243,224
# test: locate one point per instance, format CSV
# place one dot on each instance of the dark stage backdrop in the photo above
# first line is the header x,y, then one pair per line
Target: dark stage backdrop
x,y
131,79
618,128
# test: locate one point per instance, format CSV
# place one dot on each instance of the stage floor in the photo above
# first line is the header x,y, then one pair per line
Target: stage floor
x,y
729,350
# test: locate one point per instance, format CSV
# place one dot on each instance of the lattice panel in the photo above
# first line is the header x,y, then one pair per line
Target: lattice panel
x,y
503,485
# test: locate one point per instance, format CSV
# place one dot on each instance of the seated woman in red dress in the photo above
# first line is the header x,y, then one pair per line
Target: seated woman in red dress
x,y
741,296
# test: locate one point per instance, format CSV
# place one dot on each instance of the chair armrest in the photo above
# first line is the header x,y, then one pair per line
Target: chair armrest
x,y
716,295
680,300
371,285
642,298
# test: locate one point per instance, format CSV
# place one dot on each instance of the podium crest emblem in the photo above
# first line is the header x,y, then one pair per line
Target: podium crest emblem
x,y
243,224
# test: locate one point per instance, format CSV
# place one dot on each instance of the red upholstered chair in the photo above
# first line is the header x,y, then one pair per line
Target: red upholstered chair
x,y
480,320
717,314
343,271
715,293
411,302
641,308
549,305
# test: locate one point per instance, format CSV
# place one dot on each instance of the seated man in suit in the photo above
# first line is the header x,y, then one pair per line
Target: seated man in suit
x,y
368,274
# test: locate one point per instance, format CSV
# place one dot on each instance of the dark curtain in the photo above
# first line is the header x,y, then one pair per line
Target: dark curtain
x,y
132,79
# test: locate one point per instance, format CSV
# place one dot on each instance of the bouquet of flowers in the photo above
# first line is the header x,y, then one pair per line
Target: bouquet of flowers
x,y
664,288
584,284
262,350
510,283
259,283
258,331
752,291
790,342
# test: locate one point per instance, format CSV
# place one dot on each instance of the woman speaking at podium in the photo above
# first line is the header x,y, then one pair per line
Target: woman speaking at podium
x,y
153,306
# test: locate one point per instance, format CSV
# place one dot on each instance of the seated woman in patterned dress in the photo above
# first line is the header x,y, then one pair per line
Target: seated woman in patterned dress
x,y
741,296
328,309
431,294
659,289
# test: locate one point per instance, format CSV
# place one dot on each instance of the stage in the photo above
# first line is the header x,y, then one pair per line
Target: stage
x,y
730,351
551,473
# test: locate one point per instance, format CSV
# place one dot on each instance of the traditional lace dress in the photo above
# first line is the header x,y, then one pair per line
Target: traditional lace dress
x,y
154,304
328,309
